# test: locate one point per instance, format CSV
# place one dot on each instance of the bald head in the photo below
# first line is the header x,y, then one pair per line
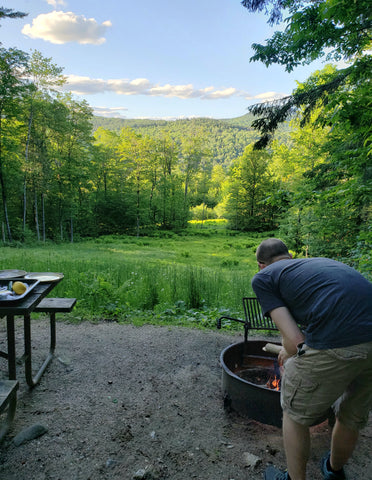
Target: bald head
x,y
271,250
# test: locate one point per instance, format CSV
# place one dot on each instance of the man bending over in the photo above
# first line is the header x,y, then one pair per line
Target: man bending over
x,y
328,361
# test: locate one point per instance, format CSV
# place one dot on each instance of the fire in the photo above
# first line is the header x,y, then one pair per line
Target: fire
x,y
274,384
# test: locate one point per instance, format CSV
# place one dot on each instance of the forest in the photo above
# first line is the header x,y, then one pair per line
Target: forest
x,y
300,166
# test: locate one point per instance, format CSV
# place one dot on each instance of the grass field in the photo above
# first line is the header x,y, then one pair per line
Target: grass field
x,y
167,279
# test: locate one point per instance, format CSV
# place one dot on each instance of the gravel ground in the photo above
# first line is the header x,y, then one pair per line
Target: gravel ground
x,y
125,402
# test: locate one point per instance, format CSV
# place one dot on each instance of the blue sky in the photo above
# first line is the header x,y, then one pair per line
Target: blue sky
x,y
145,59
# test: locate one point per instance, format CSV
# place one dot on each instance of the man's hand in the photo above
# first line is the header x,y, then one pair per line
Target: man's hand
x,y
291,334
283,356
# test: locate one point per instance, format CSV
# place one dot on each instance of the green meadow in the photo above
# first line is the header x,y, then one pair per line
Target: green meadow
x,y
188,279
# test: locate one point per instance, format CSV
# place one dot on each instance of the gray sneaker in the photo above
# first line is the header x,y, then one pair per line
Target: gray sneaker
x,y
327,474
272,473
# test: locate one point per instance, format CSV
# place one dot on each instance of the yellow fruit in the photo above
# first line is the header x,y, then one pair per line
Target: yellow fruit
x,y
19,288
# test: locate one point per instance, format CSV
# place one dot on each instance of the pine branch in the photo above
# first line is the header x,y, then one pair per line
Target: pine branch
x,y
10,13
278,111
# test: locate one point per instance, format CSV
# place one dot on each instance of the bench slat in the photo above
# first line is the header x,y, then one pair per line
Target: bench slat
x,y
7,387
56,305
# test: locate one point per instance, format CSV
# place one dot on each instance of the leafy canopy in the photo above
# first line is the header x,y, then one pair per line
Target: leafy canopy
x,y
339,29
334,29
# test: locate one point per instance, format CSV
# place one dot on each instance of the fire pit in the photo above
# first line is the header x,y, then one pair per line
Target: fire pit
x,y
250,375
251,382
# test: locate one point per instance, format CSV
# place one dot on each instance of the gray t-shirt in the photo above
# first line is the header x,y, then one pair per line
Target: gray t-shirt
x,y
332,301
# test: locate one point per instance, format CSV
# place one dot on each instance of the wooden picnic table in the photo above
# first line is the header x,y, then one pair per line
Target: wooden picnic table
x,y
24,308
33,301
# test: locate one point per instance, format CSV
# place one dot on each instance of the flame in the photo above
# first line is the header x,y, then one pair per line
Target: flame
x,y
274,384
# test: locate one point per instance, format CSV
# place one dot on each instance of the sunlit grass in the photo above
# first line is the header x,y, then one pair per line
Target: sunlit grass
x,y
195,277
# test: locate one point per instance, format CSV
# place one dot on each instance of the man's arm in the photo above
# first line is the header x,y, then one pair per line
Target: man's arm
x,y
291,334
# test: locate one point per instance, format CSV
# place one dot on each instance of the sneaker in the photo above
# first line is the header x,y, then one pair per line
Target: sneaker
x,y
327,474
272,473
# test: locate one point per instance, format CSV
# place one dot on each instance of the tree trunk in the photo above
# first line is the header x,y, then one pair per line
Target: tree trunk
x,y
185,207
24,203
151,210
37,218
203,213
43,215
3,192
138,205
5,208
26,162
71,230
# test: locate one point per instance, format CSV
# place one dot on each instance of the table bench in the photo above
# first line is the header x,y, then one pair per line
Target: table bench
x,y
8,403
51,306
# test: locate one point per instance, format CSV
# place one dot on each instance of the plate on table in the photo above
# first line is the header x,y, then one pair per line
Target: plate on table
x,y
4,274
8,295
45,276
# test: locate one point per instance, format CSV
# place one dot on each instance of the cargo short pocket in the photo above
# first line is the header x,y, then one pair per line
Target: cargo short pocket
x,y
297,390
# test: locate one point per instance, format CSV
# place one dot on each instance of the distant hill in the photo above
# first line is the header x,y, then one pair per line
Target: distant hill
x,y
116,124
227,137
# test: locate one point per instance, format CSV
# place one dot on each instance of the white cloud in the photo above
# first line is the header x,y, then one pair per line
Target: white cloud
x,y
127,87
141,86
85,85
113,112
179,91
225,93
54,3
61,27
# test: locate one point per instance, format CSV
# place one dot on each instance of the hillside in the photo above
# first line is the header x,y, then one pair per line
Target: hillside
x,y
116,124
227,137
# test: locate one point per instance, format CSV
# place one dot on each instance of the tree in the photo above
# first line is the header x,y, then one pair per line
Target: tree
x,y
105,158
43,77
164,204
327,176
12,90
63,162
337,192
250,186
339,30
193,152
73,161
134,154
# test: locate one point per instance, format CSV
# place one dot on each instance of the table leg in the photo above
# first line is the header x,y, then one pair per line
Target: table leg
x,y
32,381
52,332
12,371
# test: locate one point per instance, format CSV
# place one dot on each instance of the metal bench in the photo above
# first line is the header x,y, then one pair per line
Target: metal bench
x,y
254,318
51,306
8,403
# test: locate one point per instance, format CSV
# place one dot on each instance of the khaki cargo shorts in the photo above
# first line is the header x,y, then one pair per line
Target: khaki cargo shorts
x,y
340,378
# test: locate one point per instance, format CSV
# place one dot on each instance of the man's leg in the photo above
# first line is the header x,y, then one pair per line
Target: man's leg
x,y
297,447
342,446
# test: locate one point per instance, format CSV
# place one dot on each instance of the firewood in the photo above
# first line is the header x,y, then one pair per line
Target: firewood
x,y
272,348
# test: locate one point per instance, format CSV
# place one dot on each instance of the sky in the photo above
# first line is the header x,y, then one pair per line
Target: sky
x,y
167,59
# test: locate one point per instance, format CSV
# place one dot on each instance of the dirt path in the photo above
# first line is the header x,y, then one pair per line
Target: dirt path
x,y
125,402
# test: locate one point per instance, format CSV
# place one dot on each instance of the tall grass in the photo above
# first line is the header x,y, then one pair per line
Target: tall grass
x,y
112,277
